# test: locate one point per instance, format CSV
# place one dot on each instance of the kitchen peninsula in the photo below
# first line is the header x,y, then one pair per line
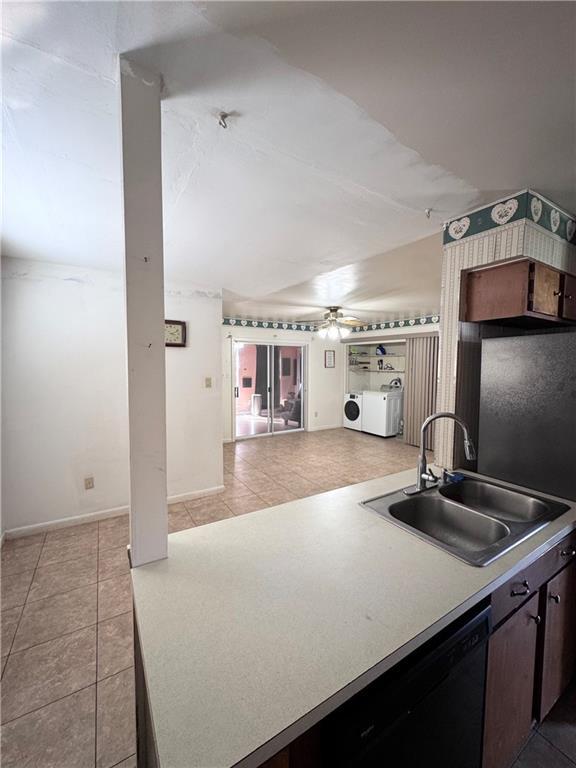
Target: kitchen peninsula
x,y
255,628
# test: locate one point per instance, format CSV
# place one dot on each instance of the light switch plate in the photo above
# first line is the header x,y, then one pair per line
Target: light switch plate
x,y
208,382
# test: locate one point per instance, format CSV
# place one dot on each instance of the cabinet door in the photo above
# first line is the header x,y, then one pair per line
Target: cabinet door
x,y
510,686
496,292
280,760
559,657
569,298
546,290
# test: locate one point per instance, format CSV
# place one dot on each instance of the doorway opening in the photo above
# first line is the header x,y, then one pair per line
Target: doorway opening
x,y
268,389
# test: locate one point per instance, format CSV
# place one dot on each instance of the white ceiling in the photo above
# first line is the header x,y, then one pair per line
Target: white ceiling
x,y
352,118
404,282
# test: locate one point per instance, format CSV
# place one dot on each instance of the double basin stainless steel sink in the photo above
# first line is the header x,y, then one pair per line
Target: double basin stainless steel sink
x,y
474,520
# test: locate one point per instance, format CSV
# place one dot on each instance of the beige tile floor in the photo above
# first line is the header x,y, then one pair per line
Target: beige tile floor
x,y
66,643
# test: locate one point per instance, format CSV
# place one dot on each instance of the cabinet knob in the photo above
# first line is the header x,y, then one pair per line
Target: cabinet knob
x,y
520,592
556,598
568,296
557,293
536,619
570,552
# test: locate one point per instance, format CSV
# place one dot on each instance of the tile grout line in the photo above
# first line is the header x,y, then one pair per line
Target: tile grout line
x,y
524,748
57,594
70,559
97,636
65,560
65,591
557,748
82,586
68,634
24,605
123,760
49,704
96,681
67,696
56,637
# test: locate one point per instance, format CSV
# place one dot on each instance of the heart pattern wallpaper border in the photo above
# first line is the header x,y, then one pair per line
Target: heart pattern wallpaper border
x,y
524,205
408,322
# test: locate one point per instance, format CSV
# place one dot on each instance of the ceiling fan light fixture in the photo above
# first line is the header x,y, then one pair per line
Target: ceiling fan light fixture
x,y
335,326
333,332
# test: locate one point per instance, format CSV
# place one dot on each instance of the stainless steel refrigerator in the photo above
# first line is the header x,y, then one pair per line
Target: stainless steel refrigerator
x,y
527,425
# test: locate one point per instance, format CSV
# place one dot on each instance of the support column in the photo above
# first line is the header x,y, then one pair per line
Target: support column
x,y
144,286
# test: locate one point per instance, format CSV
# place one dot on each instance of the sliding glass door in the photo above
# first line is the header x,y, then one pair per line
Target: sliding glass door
x,y
252,389
268,388
288,388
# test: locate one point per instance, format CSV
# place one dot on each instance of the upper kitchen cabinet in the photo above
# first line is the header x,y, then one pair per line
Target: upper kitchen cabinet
x,y
569,298
522,292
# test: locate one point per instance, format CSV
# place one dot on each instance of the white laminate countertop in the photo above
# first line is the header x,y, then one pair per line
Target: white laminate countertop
x,y
258,626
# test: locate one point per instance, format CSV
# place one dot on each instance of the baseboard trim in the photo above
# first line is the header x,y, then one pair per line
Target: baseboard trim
x,y
65,522
320,429
90,517
195,494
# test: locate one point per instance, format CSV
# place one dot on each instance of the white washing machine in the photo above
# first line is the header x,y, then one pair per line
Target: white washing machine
x,y
352,417
381,412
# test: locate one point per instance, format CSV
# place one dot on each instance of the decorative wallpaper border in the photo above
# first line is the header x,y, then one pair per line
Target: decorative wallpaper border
x,y
408,322
275,324
524,205
284,326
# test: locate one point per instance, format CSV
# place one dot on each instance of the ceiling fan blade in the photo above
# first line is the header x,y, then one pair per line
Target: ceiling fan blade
x,y
334,314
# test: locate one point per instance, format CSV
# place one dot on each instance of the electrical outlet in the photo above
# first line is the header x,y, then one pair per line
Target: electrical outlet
x,y
315,414
88,483
208,382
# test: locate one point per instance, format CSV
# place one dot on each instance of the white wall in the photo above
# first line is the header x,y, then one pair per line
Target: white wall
x,y
1,422
193,410
324,386
64,393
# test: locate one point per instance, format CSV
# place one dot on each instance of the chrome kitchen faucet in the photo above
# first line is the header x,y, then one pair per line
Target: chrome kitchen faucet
x,y
424,474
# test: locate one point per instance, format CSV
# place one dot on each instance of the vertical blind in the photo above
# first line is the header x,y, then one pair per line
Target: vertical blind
x,y
420,389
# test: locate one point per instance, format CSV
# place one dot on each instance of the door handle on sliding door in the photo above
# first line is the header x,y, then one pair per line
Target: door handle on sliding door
x,y
236,392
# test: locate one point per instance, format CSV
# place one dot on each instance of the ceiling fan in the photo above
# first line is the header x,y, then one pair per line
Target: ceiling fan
x,y
335,325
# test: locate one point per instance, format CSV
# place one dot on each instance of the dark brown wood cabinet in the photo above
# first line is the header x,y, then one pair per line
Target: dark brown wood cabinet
x,y
558,603
510,686
510,596
280,760
569,298
523,292
495,292
546,291
532,652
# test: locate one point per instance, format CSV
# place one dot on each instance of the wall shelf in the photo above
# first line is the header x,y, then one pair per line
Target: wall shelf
x,y
375,370
362,363
371,357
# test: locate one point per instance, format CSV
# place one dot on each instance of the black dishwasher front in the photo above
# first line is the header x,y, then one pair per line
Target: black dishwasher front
x,y
427,712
